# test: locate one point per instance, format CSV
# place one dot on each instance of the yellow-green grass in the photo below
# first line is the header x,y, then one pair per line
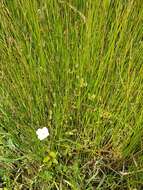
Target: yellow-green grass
x,y
75,67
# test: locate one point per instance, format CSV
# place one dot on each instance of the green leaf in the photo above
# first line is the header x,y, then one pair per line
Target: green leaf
x,y
52,154
46,159
55,161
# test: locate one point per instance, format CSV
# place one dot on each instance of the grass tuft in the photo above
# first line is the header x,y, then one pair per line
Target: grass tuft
x,y
74,67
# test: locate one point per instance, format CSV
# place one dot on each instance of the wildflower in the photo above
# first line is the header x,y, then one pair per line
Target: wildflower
x,y
91,97
42,133
83,83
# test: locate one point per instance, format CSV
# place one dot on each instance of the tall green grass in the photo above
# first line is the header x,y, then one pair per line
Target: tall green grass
x,y
74,67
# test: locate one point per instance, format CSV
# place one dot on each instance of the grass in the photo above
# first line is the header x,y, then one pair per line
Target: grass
x,y
75,67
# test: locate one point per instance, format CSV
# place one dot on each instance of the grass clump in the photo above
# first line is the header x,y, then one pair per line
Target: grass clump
x,y
74,67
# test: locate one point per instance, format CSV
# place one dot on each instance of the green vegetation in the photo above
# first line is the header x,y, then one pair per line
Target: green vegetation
x,y
75,67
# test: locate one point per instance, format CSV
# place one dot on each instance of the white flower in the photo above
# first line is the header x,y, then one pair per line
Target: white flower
x,y
42,133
